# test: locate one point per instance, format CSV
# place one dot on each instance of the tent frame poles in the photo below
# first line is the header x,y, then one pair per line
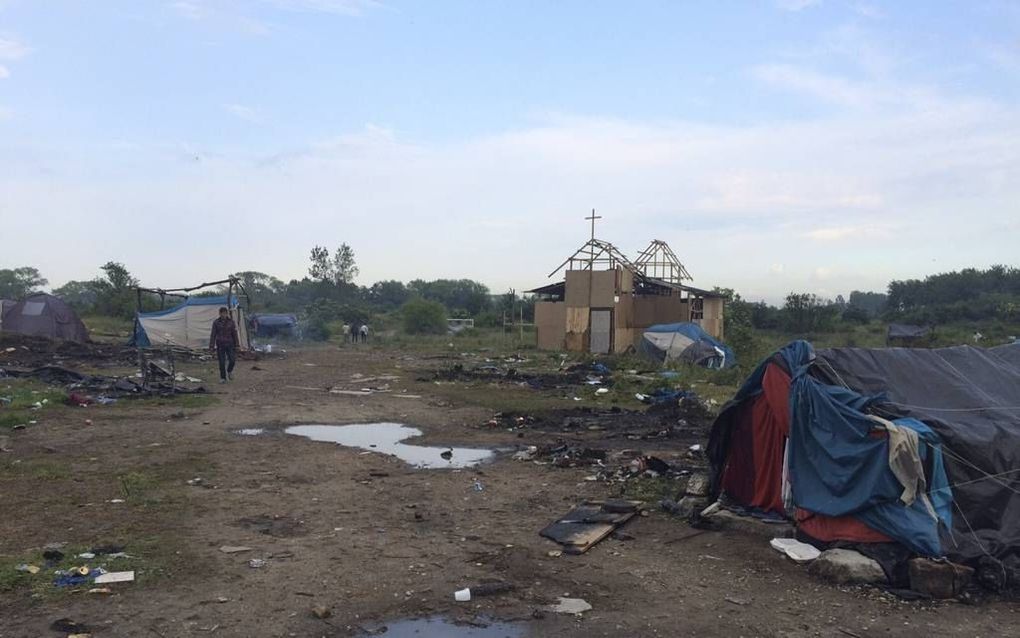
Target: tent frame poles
x,y
182,293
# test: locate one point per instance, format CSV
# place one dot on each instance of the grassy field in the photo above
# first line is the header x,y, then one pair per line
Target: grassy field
x,y
24,401
110,329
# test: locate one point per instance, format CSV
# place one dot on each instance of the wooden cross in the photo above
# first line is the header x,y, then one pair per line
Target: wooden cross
x,y
593,218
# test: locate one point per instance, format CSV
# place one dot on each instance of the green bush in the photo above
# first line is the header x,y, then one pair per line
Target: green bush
x,y
422,316
320,313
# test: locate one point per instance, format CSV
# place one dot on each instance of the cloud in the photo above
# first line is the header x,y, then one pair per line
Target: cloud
x,y
909,167
11,49
796,5
4,73
828,88
190,10
243,112
338,7
839,233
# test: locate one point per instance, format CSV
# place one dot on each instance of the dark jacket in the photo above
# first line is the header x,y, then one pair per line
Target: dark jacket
x,y
224,333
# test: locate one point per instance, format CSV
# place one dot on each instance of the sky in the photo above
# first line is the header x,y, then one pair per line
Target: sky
x,y
777,145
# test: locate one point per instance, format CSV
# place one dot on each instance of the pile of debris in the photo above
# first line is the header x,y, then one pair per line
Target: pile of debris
x,y
28,351
673,422
85,388
595,374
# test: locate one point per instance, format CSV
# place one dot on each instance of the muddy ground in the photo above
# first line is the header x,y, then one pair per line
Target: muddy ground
x,y
376,541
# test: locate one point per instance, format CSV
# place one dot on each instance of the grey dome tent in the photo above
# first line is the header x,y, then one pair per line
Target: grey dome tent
x,y
45,316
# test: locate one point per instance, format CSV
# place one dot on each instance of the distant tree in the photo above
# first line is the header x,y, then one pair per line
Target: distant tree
x,y
318,315
765,316
82,295
422,316
321,268
969,294
262,288
340,269
344,267
839,302
460,296
856,314
115,295
872,303
388,295
16,283
806,312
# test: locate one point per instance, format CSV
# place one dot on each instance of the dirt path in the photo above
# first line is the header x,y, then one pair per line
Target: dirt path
x,y
375,540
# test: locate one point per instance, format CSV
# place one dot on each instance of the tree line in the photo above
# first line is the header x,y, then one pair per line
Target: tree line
x,y
970,294
328,294
325,296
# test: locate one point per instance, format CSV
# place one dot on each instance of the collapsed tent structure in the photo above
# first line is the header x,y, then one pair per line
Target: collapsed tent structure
x,y
45,316
187,325
915,447
687,342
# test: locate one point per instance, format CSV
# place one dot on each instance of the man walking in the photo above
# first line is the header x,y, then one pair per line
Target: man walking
x,y
364,333
225,341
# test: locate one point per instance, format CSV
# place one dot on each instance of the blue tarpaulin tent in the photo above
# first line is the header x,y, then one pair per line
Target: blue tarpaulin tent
x,y
819,435
187,325
685,342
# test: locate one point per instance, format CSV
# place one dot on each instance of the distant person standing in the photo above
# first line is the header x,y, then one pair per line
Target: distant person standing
x,y
364,333
225,341
347,332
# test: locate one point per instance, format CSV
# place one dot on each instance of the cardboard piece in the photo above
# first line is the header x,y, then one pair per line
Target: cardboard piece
x,y
115,577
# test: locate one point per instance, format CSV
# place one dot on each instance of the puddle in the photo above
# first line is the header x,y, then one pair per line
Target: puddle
x,y
386,438
439,627
251,431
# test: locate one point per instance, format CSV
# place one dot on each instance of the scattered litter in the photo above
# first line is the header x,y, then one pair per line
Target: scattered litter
x,y
74,577
570,606
234,549
602,391
526,454
29,569
100,590
477,486
87,555
736,601
257,563
115,577
483,589
321,611
115,500
799,552
588,523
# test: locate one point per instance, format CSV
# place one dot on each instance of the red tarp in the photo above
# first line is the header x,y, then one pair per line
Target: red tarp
x,y
754,469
